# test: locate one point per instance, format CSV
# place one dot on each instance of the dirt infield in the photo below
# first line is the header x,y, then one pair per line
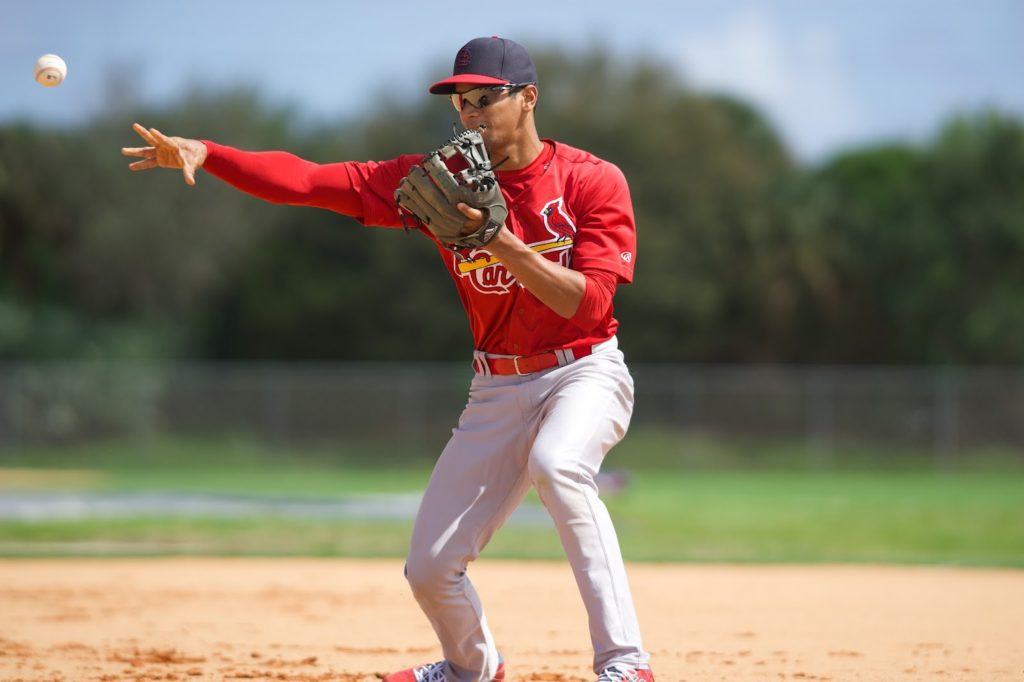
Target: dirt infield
x,y
353,620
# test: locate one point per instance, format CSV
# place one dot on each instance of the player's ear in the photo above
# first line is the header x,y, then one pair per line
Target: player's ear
x,y
529,96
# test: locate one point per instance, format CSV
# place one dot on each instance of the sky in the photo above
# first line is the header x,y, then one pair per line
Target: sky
x,y
829,74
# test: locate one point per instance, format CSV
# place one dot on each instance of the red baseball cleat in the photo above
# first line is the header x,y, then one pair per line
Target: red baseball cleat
x,y
434,672
623,673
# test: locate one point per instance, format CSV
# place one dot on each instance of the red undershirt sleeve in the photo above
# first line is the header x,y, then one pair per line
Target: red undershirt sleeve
x,y
362,190
283,178
597,299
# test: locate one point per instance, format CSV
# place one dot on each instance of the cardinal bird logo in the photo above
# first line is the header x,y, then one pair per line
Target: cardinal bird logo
x,y
488,275
556,220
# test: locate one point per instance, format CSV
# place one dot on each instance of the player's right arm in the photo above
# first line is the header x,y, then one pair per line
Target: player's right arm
x,y
361,190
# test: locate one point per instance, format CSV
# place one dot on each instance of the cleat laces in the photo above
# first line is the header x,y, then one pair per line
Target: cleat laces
x,y
432,672
614,673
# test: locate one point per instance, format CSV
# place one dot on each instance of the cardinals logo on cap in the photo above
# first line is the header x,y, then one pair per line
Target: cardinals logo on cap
x,y
463,58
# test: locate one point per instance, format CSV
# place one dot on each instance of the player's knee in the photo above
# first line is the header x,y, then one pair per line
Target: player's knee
x,y
422,576
540,470
546,470
429,575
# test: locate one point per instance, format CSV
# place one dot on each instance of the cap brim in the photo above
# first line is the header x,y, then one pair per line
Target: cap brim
x,y
447,86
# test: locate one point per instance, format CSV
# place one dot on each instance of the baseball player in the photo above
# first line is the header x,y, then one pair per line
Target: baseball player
x,y
551,394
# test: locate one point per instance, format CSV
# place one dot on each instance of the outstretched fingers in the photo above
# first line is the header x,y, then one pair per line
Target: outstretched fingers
x,y
137,151
159,139
154,137
146,153
145,164
166,152
144,133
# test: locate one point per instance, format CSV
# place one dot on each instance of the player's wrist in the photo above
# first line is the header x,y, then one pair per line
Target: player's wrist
x,y
196,150
505,243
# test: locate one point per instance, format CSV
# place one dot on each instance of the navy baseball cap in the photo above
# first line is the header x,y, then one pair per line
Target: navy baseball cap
x,y
488,61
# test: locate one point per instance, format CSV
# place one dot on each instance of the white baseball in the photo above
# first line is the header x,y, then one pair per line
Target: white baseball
x,y
50,70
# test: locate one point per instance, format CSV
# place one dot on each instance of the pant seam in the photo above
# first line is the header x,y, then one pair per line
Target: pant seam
x,y
604,547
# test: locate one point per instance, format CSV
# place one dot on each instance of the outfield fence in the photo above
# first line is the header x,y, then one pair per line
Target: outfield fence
x,y
943,411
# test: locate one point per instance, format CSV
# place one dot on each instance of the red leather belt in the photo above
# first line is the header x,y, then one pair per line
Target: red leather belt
x,y
521,365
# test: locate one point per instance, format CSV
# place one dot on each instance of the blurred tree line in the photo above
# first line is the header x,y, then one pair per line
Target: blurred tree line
x,y
894,253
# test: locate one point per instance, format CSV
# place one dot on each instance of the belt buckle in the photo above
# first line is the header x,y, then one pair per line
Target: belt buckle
x,y
515,364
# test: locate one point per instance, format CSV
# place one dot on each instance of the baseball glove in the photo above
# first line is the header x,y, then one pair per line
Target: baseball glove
x,y
430,192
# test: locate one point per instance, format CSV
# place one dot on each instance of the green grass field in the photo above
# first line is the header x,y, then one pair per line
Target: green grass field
x,y
670,511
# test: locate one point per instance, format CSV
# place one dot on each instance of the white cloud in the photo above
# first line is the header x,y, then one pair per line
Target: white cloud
x,y
795,75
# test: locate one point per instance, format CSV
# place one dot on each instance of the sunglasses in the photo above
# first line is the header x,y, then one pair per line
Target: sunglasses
x,y
484,95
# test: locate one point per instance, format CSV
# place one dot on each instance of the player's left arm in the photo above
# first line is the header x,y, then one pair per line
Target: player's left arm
x,y
557,287
603,251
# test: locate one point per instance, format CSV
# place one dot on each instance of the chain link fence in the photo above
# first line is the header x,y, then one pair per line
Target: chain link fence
x,y
945,411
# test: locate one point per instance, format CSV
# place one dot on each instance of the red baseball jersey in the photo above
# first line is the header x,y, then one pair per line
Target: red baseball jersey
x,y
568,205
